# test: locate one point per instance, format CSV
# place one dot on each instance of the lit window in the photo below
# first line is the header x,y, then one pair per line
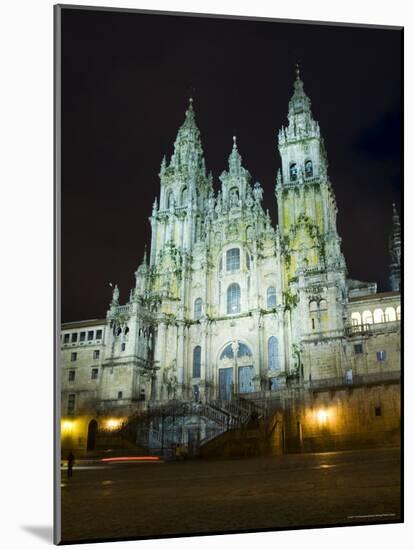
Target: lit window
x,y
73,356
390,314
72,375
367,318
71,403
381,355
96,354
378,316
358,349
66,339
197,362
233,298
74,337
272,352
94,374
99,334
90,334
271,297
233,259
355,318
198,309
82,336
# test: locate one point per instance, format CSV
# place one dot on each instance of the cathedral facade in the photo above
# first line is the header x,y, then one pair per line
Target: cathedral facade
x,y
225,304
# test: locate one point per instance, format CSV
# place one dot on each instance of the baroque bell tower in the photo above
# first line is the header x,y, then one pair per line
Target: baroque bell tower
x,y
314,270
177,218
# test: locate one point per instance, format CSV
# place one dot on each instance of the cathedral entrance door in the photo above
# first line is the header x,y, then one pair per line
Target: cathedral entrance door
x,y
225,383
246,379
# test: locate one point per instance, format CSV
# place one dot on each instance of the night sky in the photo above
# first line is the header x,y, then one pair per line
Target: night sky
x,y
126,80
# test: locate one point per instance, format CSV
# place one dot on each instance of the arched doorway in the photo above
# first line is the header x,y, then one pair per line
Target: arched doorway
x,y
92,429
235,370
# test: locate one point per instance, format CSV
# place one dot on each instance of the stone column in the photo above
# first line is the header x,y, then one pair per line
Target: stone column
x,y
203,367
159,358
180,360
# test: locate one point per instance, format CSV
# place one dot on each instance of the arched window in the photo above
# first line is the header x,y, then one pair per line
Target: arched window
x,y
234,196
233,259
198,309
390,314
272,353
271,297
293,171
227,352
323,305
313,309
355,318
197,229
367,318
398,313
243,350
184,195
247,261
249,233
308,169
378,316
233,298
169,199
197,362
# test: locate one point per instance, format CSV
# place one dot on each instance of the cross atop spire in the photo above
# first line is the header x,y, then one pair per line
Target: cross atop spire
x,y
297,71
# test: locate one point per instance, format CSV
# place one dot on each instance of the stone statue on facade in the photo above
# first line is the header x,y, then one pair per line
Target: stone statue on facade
x,y
258,193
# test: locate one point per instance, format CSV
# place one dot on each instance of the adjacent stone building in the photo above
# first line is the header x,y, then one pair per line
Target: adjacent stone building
x,y
226,304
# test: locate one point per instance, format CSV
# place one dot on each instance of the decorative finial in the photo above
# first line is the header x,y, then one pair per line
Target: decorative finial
x,y
297,70
234,142
144,261
190,103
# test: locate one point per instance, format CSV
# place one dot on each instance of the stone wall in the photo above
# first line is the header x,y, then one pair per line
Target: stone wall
x,y
345,418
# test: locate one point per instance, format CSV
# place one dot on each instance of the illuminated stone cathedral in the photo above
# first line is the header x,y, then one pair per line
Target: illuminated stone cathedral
x,y
225,304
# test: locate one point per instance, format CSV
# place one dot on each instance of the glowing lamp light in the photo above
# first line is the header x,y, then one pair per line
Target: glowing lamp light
x,y
67,425
322,416
113,423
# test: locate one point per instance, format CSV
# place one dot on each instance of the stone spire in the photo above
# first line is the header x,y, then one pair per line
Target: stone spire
x,y
235,181
301,123
235,160
188,151
395,250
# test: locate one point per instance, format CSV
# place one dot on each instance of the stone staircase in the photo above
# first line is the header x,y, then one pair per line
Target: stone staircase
x,y
188,424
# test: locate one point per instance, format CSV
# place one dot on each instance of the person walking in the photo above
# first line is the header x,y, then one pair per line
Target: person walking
x,y
71,462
